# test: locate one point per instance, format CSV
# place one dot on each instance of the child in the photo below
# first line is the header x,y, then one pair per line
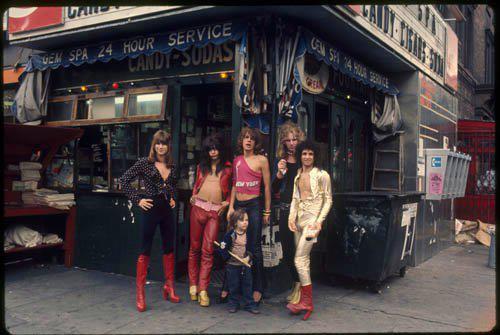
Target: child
x,y
239,276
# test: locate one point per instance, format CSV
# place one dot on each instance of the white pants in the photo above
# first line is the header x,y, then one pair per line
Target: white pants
x,y
302,246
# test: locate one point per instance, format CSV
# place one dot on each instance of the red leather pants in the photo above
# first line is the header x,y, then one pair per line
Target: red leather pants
x,y
204,227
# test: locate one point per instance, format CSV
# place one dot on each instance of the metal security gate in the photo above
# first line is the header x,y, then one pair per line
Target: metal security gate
x,y
477,139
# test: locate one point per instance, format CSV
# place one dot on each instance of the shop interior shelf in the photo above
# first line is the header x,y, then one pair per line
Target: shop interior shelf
x,y
28,210
41,246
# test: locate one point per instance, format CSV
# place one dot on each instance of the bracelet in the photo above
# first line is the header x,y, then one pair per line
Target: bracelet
x,y
268,211
266,214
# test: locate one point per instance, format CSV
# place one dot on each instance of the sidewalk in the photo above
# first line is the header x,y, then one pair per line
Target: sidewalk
x,y
452,292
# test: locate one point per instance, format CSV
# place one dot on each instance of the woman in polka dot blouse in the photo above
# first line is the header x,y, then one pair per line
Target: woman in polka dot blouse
x,y
160,179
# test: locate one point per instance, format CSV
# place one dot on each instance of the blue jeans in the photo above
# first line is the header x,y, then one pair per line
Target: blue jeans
x,y
239,280
254,239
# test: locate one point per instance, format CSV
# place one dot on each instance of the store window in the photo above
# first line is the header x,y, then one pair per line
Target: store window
x,y
105,152
58,110
465,35
144,104
100,108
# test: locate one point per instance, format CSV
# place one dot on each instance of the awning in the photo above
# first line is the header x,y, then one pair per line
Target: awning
x,y
181,40
342,62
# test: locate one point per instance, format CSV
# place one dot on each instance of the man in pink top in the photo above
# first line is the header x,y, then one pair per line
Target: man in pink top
x,y
250,171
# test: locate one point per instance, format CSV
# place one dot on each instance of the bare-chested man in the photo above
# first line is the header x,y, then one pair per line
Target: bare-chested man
x,y
210,199
311,202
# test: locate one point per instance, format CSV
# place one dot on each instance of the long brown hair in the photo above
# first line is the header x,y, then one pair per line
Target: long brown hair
x,y
285,129
161,136
236,216
254,135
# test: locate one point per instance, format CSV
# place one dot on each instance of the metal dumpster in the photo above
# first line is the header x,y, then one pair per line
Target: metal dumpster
x,y
371,235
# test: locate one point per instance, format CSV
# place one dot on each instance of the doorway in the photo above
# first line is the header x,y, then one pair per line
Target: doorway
x,y
342,131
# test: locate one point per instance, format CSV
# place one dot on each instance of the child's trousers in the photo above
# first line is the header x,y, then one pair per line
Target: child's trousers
x,y
239,279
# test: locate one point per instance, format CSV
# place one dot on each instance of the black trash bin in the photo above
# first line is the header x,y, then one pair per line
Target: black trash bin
x,y
369,237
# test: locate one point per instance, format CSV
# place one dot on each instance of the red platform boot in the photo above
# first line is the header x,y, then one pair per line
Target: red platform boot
x,y
168,270
140,281
305,303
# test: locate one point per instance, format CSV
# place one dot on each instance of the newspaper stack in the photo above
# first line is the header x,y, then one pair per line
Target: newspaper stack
x,y
30,171
54,199
30,175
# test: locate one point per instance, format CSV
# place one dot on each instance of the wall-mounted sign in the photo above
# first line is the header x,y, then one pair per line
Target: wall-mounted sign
x,y
33,18
208,55
313,74
44,22
416,32
216,33
342,62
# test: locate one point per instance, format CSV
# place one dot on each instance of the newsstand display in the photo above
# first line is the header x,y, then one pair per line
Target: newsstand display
x,y
371,235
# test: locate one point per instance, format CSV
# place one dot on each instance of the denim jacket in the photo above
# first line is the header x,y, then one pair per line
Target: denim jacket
x,y
321,200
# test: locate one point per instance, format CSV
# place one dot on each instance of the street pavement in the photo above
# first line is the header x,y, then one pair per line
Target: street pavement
x,y
452,292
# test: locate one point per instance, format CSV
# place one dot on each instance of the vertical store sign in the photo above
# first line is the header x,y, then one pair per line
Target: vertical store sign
x,y
451,74
416,32
32,18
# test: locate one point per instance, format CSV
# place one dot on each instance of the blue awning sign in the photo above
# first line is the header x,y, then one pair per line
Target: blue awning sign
x,y
144,45
342,62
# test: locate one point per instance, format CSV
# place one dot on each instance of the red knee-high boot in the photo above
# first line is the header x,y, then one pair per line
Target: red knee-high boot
x,y
140,281
168,270
305,303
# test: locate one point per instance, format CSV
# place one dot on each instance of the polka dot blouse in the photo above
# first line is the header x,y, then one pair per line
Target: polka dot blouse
x,y
153,181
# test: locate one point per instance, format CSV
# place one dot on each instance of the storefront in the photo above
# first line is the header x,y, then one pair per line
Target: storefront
x,y
195,79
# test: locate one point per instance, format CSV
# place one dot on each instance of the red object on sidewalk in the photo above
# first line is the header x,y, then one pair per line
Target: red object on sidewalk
x,y
477,139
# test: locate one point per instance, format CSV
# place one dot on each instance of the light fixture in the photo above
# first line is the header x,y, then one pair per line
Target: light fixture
x,y
115,86
223,75
348,97
84,88
69,90
366,101
131,83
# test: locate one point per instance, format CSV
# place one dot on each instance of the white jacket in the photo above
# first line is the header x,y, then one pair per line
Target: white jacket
x,y
319,203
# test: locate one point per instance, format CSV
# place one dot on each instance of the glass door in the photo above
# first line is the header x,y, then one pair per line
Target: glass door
x,y
338,142
357,149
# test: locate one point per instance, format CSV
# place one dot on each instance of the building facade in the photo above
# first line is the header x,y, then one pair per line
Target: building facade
x,y
121,73
474,26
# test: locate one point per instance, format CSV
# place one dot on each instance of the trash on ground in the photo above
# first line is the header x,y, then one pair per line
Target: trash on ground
x,y
468,232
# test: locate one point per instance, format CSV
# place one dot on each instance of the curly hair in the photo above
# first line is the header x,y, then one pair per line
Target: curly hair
x,y
285,129
308,145
254,135
212,141
161,136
